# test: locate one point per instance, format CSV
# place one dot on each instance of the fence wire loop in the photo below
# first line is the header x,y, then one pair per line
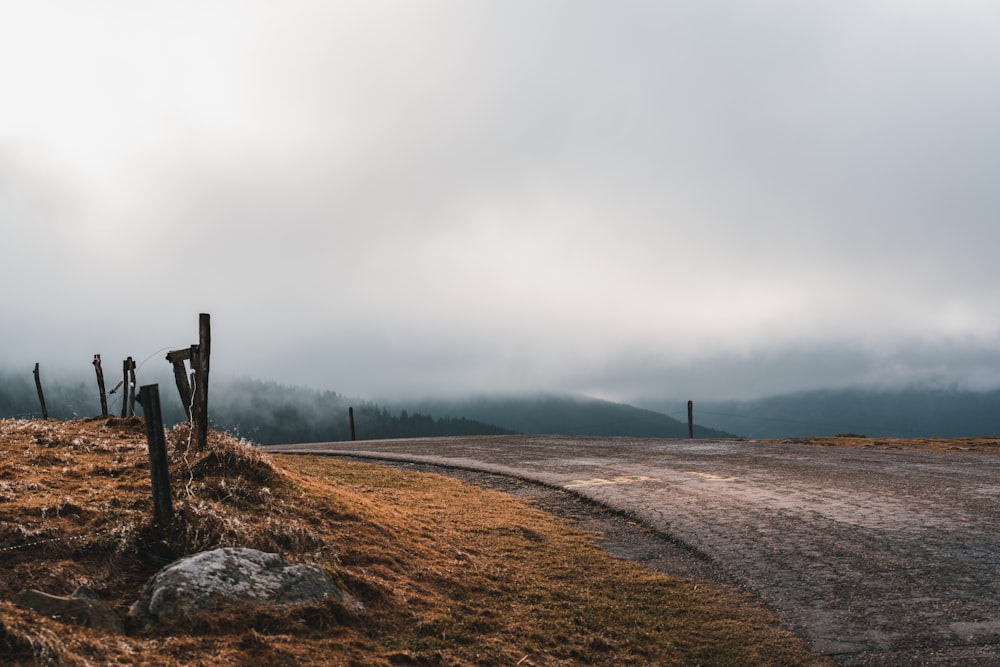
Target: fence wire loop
x,y
54,539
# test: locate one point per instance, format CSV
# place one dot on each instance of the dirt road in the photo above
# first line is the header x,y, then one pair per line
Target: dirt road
x,y
875,557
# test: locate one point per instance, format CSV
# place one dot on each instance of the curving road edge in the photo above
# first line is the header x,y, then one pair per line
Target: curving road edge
x,y
874,557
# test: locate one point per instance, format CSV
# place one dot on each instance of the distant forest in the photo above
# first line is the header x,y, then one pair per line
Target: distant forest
x,y
262,412
270,413
568,415
908,412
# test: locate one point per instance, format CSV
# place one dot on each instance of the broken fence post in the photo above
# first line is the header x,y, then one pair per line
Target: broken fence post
x,y
690,419
350,415
177,359
149,398
41,396
100,385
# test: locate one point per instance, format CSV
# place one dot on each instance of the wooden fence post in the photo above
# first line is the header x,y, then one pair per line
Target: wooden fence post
x,y
350,415
41,396
131,387
124,383
200,404
149,398
100,385
194,393
177,359
690,419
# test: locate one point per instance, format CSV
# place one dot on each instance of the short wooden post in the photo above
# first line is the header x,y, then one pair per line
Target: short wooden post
x,y
41,396
131,387
691,419
149,398
177,359
124,383
350,415
100,385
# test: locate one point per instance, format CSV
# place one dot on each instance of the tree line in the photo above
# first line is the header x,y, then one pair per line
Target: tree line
x,y
903,412
262,412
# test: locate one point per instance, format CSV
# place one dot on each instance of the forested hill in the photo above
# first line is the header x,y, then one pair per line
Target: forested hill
x,y
566,415
263,412
271,413
908,412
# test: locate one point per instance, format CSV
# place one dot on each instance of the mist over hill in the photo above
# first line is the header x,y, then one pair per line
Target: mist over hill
x,y
263,412
271,413
900,412
566,415
268,412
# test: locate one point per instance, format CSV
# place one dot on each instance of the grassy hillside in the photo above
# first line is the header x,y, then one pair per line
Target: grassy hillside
x,y
449,574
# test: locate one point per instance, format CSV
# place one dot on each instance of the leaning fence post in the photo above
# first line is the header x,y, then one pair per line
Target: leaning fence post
x,y
350,415
690,419
177,359
100,385
41,396
149,398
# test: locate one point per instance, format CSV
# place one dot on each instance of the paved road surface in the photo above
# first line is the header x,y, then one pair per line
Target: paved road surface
x,y
874,556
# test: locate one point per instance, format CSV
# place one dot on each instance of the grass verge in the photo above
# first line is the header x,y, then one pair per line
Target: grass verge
x,y
945,445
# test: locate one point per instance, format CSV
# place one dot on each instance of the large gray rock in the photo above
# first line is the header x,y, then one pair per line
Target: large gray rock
x,y
215,579
82,608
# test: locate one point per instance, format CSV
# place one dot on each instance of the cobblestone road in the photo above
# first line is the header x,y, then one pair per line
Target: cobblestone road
x,y
874,556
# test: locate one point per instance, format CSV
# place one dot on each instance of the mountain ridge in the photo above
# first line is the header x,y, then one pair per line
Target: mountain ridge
x,y
910,411
270,413
566,414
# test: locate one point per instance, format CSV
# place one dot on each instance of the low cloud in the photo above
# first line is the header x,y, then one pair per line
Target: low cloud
x,y
727,199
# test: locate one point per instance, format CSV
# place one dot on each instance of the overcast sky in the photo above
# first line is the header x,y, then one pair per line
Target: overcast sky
x,y
702,199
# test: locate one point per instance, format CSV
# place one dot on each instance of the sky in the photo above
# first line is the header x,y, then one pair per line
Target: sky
x,y
699,199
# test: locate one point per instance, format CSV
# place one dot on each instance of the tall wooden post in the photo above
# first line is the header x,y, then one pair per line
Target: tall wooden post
x,y
350,415
100,385
149,398
690,419
41,396
200,367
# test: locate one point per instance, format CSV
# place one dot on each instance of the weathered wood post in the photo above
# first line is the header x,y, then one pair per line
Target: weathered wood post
x,y
131,387
350,415
149,398
41,396
200,366
177,359
123,383
128,381
100,385
690,419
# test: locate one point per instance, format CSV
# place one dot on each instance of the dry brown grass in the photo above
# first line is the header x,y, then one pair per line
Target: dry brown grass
x,y
449,574
949,445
